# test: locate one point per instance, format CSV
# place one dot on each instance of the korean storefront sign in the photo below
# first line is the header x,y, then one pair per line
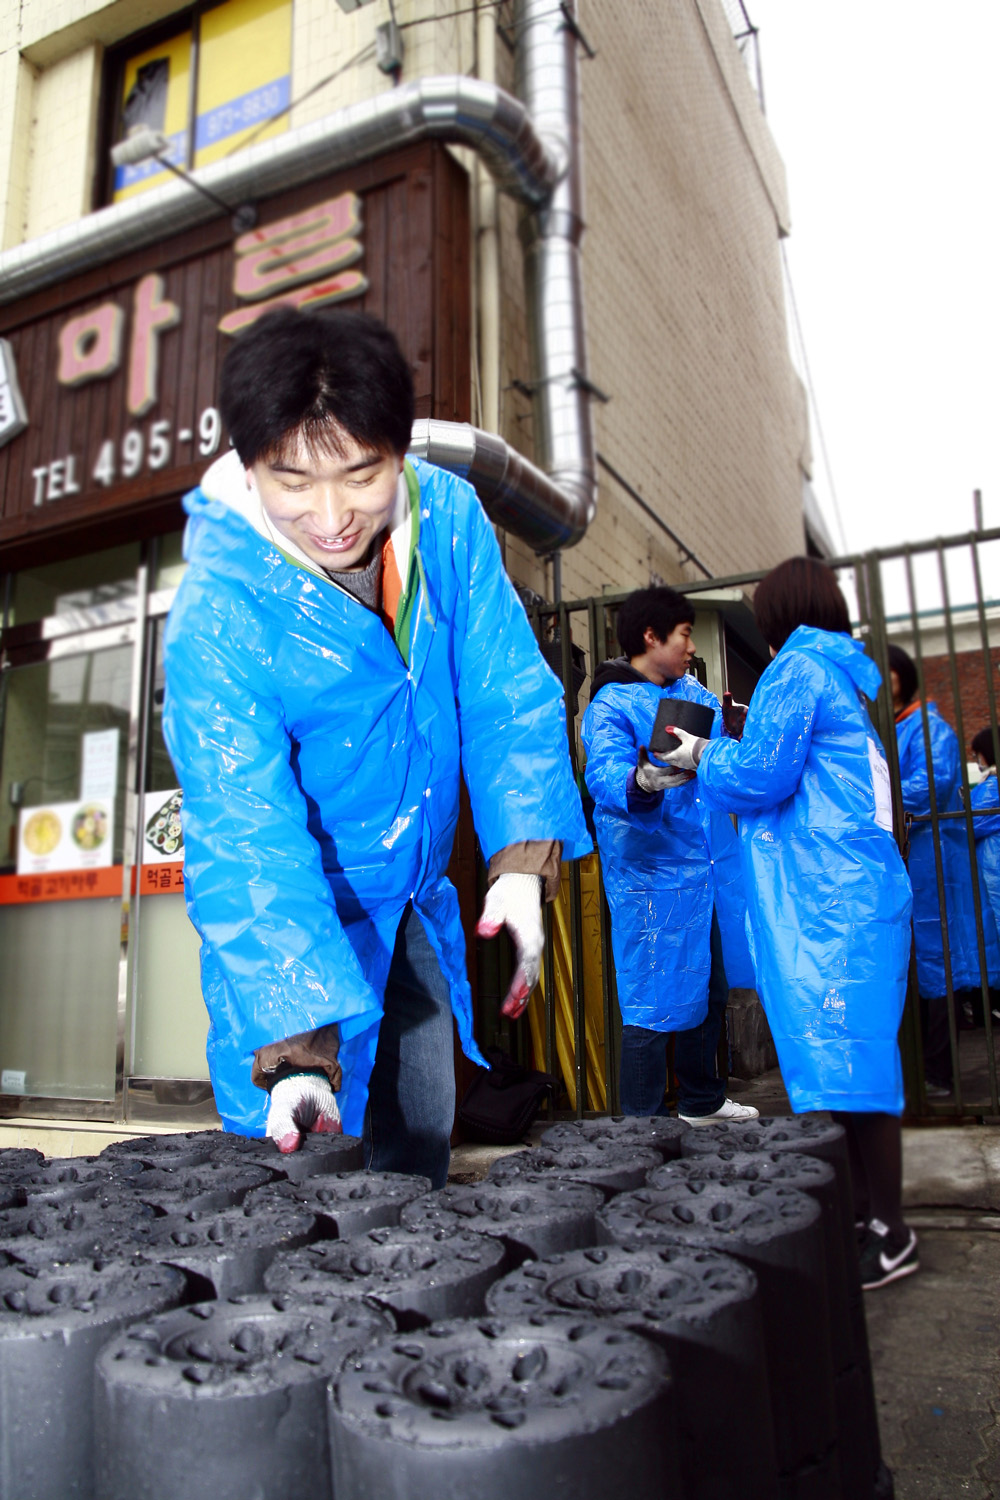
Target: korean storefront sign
x,y
109,375
306,260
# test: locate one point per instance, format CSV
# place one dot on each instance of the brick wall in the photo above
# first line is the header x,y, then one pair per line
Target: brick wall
x,y
973,693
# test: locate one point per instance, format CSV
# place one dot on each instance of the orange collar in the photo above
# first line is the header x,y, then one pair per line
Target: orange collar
x,y
905,713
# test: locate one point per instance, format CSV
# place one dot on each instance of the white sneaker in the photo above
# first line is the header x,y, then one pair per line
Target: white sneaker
x,y
728,1113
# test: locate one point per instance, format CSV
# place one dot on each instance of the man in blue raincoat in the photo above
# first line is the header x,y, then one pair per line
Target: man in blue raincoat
x,y
956,868
344,646
671,870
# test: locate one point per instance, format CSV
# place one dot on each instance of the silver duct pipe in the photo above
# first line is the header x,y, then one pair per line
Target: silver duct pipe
x,y
460,110
547,81
532,147
515,493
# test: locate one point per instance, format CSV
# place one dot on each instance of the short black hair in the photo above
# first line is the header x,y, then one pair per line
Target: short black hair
x,y
903,665
324,375
799,591
659,608
982,744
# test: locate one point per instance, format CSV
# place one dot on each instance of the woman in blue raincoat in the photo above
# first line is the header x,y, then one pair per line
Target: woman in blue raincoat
x,y
960,920
670,867
828,895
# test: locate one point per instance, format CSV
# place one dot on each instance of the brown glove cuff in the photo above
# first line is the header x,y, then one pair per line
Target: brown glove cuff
x,y
530,857
308,1052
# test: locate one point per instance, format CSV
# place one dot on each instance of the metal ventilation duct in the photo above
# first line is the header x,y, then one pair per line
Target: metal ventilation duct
x,y
532,147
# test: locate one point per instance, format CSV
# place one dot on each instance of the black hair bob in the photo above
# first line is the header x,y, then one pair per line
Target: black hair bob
x,y
325,376
659,609
903,665
982,744
799,591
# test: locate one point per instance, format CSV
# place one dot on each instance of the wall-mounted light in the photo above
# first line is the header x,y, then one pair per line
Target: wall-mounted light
x,y
145,144
349,5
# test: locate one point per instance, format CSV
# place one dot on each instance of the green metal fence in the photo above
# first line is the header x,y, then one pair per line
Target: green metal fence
x,y
950,642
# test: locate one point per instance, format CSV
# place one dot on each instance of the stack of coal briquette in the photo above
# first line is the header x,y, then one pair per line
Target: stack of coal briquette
x,y
632,1307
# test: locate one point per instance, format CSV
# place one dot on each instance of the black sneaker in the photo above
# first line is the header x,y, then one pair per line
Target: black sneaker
x,y
884,1260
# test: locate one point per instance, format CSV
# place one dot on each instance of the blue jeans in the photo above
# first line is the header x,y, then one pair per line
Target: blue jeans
x,y
700,1090
411,1093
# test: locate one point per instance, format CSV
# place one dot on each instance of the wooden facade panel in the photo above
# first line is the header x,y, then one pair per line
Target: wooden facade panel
x,y
414,203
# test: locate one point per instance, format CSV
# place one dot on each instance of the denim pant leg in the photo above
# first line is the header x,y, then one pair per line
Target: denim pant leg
x,y
643,1074
411,1093
700,1090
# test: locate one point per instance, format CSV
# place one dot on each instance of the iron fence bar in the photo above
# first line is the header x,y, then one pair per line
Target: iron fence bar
x,y
598,635
995,735
575,893
911,1041
550,992
935,835
579,995
987,659
977,909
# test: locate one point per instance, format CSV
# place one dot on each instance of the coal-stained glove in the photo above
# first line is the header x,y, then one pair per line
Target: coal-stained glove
x,y
515,902
653,778
688,752
734,716
301,1103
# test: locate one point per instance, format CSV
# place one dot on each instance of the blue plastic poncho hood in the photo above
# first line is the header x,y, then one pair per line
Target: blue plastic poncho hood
x,y
665,862
321,774
828,896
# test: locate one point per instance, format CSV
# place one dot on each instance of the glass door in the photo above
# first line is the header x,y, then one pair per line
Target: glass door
x,y
167,1074
67,709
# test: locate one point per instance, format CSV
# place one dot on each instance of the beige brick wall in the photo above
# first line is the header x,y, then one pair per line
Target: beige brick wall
x,y
685,201
63,133
17,82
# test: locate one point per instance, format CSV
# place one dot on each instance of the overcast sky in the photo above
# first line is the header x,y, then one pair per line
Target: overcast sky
x,y
887,116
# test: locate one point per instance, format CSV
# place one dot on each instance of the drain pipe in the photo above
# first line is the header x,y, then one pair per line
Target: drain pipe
x,y
550,505
548,84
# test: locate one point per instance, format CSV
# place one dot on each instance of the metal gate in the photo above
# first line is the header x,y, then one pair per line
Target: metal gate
x,y
939,600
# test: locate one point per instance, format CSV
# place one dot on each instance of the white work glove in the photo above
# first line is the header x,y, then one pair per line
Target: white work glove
x,y
653,778
515,902
299,1103
689,751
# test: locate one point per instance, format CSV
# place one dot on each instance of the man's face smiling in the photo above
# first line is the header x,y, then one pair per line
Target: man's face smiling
x,y
332,506
668,659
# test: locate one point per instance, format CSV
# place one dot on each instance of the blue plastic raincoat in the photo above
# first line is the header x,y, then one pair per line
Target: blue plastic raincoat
x,y
987,832
827,892
321,769
665,861
955,864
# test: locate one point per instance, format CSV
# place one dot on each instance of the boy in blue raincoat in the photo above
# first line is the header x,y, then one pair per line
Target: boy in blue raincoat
x,y
956,869
344,646
671,870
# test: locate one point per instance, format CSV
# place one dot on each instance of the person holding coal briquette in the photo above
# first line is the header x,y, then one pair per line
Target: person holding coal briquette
x,y
670,866
828,895
344,647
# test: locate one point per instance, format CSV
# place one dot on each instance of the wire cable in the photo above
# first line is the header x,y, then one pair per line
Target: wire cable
x,y
352,62
810,388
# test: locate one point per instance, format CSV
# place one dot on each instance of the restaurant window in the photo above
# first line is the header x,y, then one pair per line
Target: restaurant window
x,y
212,79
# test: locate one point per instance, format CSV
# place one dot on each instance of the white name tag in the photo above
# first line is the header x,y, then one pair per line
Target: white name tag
x,y
881,785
